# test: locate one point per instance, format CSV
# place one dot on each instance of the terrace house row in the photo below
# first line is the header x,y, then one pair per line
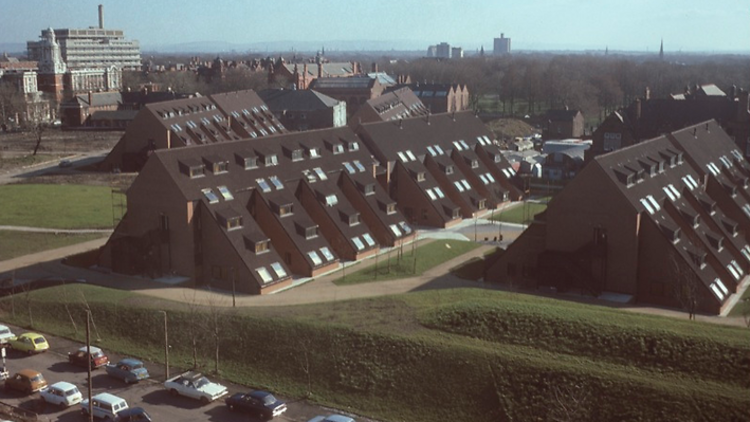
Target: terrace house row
x,y
400,103
441,168
250,214
666,215
189,122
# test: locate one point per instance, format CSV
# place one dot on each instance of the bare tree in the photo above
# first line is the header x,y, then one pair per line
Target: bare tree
x,y
684,284
37,120
217,309
194,330
11,103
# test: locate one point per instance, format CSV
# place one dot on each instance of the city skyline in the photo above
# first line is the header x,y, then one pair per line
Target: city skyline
x,y
685,26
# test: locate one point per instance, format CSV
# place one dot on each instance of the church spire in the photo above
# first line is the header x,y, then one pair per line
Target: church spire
x,y
661,50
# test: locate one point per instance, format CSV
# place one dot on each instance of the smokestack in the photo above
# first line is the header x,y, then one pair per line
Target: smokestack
x,y
101,17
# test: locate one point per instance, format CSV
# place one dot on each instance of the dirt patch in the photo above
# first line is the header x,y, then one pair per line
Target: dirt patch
x,y
507,129
119,181
60,141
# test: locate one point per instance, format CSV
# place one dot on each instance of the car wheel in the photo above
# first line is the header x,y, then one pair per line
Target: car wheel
x,y
205,400
62,405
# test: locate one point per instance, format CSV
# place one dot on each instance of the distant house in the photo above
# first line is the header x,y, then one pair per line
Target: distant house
x,y
442,98
648,117
355,91
563,124
77,111
643,221
392,105
305,109
301,75
564,158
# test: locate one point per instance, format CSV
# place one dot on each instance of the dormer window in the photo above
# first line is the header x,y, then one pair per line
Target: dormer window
x,y
331,200
449,169
354,219
337,149
420,176
262,246
390,208
498,158
285,210
311,232
297,155
313,152
220,167
353,146
271,160
250,162
368,189
474,164
233,222
197,171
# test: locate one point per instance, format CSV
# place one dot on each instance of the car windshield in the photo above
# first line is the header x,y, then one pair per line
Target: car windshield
x,y
39,340
97,354
71,392
269,399
5,331
38,378
136,366
201,382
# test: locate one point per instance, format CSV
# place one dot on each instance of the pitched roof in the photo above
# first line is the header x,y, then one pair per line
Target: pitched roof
x,y
290,99
343,83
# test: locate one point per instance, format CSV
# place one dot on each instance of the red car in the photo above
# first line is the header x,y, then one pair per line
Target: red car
x,y
81,357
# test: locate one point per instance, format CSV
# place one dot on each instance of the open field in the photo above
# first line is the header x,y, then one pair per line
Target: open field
x,y
56,206
426,256
462,354
17,243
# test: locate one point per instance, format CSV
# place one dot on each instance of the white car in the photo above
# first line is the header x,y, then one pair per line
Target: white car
x,y
5,334
104,406
195,386
332,418
63,394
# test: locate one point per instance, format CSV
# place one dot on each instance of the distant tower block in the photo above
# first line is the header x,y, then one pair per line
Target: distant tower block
x,y
501,46
661,50
101,16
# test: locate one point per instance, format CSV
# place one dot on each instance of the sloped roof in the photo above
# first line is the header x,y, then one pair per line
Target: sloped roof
x,y
342,83
301,100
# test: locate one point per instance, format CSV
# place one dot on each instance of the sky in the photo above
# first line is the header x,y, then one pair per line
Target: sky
x,y
634,25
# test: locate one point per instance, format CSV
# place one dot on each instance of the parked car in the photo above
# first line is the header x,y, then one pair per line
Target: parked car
x,y
133,414
65,163
104,406
196,386
332,418
261,403
5,334
29,343
128,369
63,394
81,357
26,381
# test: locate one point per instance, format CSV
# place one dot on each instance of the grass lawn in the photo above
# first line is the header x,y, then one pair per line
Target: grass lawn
x,y
56,206
427,256
14,243
517,214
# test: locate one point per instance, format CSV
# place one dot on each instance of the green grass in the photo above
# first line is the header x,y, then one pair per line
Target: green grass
x,y
56,206
427,257
518,213
462,354
16,243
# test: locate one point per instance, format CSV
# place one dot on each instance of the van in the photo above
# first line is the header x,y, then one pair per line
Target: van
x,y
104,406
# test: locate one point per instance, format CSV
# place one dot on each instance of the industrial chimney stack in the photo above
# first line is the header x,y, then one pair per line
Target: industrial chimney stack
x,y
101,17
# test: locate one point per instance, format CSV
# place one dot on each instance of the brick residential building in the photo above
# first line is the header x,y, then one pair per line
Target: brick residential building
x,y
563,124
250,214
304,109
400,103
666,215
192,121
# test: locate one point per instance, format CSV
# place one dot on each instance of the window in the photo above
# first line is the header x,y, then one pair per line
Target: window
x,y
337,149
278,269
332,200
349,167
221,167
390,208
405,227
438,192
410,155
251,163
353,146
264,186
197,171
746,252
225,193
466,184
431,151
431,194
354,219
647,205
402,157
457,145
358,243
420,176
484,179
463,143
396,231
210,195
359,166
297,155
234,223
439,150
276,182
369,189
262,246
311,232
285,210
321,174
265,276
314,152
326,253
272,160
368,239
315,258
458,185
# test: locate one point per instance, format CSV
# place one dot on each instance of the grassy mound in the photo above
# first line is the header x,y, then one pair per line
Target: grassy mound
x,y
56,206
374,357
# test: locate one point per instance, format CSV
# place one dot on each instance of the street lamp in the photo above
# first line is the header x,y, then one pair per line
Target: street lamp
x,y
166,347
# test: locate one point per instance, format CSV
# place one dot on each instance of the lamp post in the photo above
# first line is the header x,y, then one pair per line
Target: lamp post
x,y
88,367
166,347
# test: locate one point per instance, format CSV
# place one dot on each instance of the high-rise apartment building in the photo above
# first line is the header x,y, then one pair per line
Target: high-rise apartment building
x,y
502,45
91,48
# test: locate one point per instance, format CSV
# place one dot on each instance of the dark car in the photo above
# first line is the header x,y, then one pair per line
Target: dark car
x,y
81,357
133,414
260,403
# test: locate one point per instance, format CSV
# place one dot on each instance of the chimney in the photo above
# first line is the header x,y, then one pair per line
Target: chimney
x,y
320,69
637,109
374,67
90,98
304,76
101,16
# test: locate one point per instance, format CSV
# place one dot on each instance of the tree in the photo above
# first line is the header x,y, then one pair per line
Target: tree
x,y
37,120
11,103
685,283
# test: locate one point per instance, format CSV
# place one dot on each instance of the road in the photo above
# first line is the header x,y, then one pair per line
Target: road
x,y
42,168
148,394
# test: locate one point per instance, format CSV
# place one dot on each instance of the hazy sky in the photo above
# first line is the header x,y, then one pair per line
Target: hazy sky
x,y
635,25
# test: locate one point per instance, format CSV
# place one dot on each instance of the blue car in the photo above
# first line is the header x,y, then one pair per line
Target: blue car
x,y
261,403
129,370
